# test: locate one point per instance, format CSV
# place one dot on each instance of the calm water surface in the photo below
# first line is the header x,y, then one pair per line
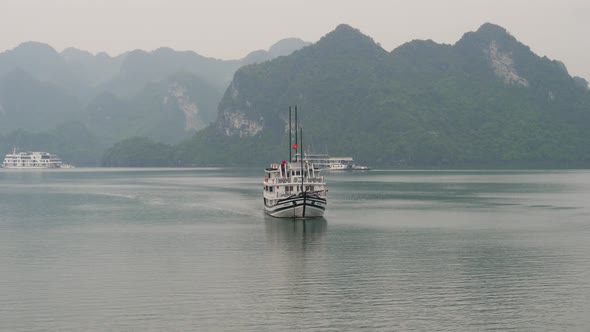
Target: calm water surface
x,y
190,249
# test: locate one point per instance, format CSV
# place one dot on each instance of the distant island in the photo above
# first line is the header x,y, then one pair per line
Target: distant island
x,y
78,104
485,101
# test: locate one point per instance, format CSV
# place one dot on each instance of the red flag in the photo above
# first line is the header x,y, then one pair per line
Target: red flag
x,y
295,146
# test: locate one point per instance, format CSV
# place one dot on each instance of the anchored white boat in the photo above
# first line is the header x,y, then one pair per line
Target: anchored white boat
x,y
325,162
294,189
33,160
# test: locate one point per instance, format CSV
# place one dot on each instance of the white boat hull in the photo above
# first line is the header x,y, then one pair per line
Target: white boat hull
x,y
301,206
27,167
31,160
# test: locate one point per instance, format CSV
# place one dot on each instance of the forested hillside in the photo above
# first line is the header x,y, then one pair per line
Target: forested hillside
x,y
164,95
486,100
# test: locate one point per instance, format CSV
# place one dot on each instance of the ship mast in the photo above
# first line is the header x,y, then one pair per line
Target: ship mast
x,y
296,131
290,146
302,175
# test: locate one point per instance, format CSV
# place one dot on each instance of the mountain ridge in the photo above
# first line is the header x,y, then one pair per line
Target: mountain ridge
x,y
163,94
486,98
283,47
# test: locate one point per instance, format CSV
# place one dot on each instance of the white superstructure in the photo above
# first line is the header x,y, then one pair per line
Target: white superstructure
x,y
340,163
33,160
294,190
325,162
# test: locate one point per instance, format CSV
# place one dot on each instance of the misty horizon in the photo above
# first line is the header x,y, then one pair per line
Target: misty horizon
x,y
228,30
265,49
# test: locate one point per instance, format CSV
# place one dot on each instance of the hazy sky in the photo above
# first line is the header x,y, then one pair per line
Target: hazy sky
x,y
230,29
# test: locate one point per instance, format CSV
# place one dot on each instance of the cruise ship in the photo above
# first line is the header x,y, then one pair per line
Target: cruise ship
x,y
294,189
33,160
325,162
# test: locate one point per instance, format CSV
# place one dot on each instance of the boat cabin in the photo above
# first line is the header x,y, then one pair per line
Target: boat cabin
x,y
287,179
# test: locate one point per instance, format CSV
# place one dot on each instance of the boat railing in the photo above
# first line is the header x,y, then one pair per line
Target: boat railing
x,y
294,180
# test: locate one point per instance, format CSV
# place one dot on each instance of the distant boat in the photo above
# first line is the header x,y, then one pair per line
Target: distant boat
x,y
294,189
360,168
33,160
325,162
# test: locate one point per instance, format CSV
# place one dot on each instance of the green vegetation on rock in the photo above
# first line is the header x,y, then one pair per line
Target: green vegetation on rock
x,y
485,100
165,95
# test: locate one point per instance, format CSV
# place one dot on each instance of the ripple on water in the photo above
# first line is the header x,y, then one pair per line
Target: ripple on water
x,y
192,250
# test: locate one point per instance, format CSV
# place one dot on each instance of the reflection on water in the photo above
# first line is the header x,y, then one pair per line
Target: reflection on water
x,y
295,237
290,231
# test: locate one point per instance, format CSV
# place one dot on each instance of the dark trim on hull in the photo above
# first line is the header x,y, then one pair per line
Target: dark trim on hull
x,y
323,208
296,198
314,206
314,202
291,212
